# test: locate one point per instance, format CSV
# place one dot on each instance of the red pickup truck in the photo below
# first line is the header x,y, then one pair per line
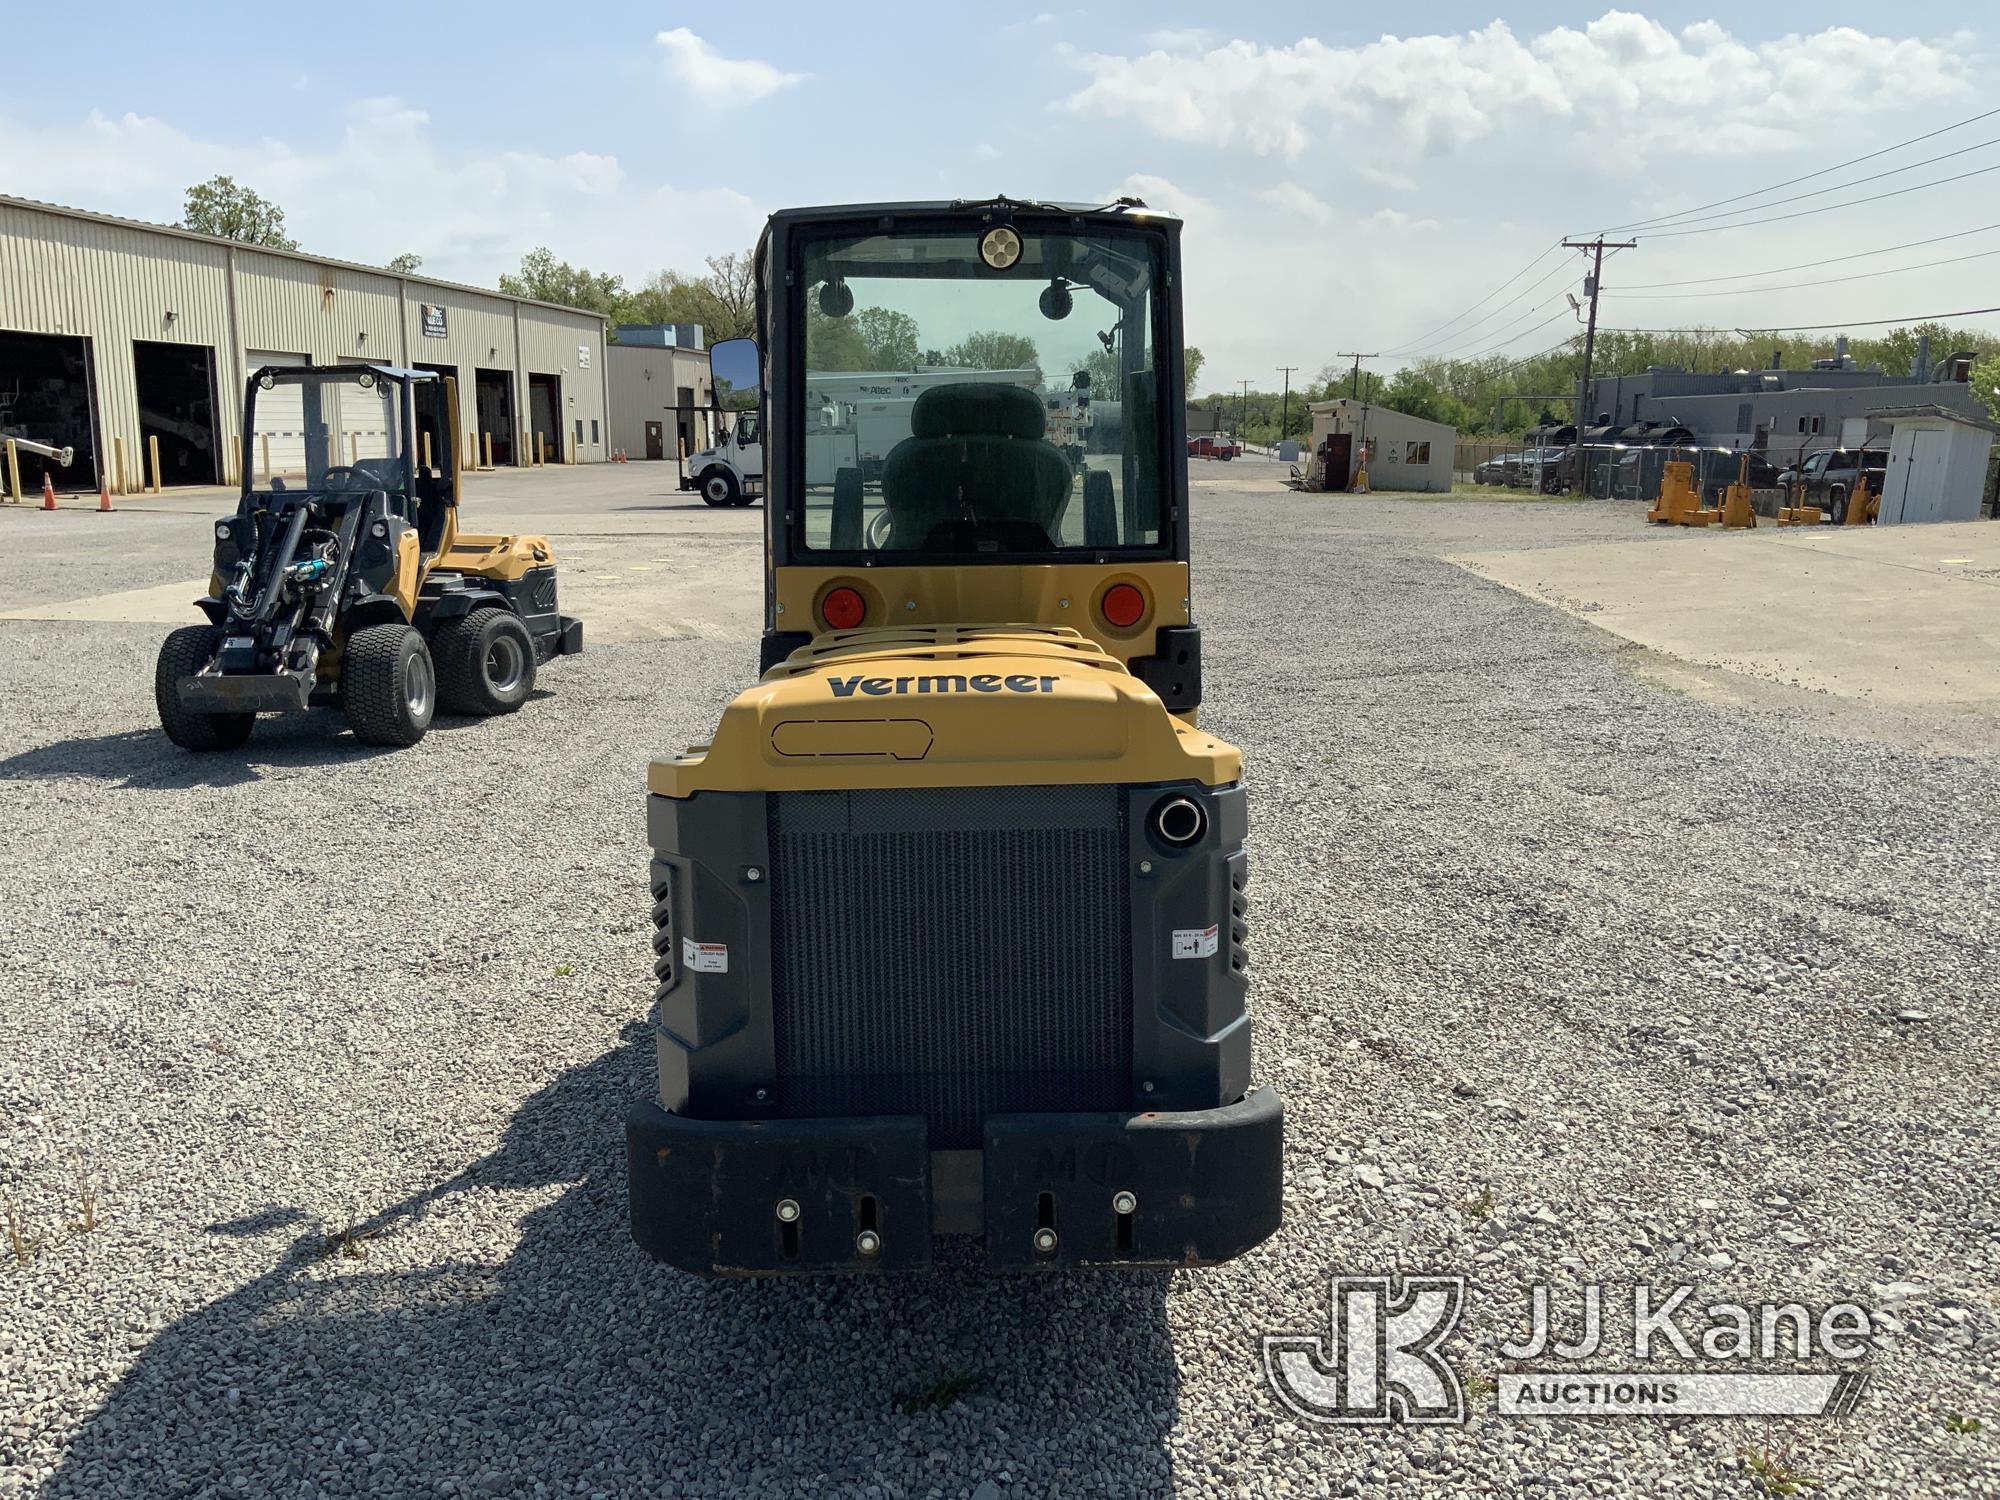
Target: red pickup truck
x,y
1214,447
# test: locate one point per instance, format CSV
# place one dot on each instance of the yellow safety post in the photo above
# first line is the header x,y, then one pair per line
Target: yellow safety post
x,y
427,448
541,450
153,452
487,461
526,460
1861,506
1737,511
266,441
353,448
13,473
118,465
1798,513
1678,499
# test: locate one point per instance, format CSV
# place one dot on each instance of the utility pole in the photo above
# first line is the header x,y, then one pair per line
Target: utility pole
x,y
1285,417
1597,247
1244,422
1354,385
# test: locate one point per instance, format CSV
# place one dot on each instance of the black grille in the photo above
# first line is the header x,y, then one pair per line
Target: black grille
x,y
950,953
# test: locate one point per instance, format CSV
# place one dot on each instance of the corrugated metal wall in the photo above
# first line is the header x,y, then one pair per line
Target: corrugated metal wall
x,y
114,283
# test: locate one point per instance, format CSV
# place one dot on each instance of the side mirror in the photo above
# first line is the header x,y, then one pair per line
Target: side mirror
x,y
736,372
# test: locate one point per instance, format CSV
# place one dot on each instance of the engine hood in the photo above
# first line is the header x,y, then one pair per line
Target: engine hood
x,y
946,705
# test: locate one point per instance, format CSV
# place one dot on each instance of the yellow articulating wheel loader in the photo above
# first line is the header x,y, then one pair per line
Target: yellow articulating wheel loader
x,y
343,577
949,913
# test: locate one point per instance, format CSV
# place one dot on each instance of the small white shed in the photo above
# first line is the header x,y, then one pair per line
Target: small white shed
x,y
1403,452
1937,464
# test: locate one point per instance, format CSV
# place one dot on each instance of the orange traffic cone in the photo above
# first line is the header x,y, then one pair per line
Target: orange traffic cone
x,y
103,496
48,491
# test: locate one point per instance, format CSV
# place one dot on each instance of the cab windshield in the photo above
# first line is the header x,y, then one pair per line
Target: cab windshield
x,y
327,431
980,392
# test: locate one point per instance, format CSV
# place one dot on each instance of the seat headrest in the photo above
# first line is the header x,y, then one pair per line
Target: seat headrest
x,y
978,407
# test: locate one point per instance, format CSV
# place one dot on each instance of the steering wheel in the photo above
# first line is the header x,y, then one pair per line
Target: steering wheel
x,y
879,526
327,474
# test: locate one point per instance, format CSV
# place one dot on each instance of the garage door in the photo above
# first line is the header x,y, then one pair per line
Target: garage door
x,y
278,443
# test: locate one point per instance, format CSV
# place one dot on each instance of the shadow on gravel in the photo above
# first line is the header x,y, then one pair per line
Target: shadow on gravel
x,y
575,1363
146,760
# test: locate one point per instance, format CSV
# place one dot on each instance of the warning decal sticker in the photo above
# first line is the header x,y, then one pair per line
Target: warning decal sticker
x,y
712,958
1195,942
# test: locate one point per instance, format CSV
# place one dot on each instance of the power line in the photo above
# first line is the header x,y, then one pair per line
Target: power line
x,y
1825,208
1809,265
1449,322
1513,339
1461,338
1970,312
1677,221
1808,177
1744,291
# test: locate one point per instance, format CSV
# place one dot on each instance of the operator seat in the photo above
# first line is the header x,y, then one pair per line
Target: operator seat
x,y
976,454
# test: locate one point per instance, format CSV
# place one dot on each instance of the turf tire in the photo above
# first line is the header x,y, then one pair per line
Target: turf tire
x,y
182,654
388,685
485,663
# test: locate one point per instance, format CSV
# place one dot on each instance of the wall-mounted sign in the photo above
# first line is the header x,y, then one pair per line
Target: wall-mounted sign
x,y
434,326
583,356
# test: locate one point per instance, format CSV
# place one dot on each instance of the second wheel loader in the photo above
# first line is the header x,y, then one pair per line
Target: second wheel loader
x,y
343,577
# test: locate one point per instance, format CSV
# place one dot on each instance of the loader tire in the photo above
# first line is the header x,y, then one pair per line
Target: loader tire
x,y
485,663
388,685
182,654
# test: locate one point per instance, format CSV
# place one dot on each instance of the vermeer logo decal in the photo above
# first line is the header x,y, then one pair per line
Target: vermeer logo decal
x,y
985,682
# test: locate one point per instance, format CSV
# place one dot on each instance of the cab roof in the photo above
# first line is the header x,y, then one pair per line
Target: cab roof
x,y
1120,210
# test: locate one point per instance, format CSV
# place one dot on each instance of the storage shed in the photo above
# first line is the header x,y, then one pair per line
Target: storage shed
x,y
1937,464
1403,452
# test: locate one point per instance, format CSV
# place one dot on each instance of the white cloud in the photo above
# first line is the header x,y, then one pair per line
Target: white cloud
x,y
347,192
719,80
986,151
1290,198
1623,79
1399,182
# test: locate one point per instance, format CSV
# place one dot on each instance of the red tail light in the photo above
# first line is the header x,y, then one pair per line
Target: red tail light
x,y
843,608
1123,605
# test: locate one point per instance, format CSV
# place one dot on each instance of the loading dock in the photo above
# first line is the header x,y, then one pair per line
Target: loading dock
x,y
545,413
45,388
176,386
495,396
428,430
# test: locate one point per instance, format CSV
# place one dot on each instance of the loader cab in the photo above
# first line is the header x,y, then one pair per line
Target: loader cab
x,y
344,430
957,330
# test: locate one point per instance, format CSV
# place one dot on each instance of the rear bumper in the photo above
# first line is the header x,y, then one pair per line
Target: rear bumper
x,y
569,639
1204,1186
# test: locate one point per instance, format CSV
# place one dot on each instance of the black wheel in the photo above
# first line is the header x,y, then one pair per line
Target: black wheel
x,y
182,654
719,487
388,685
485,663
1836,505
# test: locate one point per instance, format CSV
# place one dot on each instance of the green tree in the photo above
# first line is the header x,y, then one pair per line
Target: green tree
x,y
891,337
223,206
723,299
993,349
405,263
1101,366
1986,384
1192,360
547,279
834,343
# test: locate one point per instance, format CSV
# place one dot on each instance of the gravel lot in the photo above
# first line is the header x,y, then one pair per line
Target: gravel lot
x,y
1565,977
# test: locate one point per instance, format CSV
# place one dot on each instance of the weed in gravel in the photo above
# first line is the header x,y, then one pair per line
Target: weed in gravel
x,y
1480,1207
19,1241
350,1243
941,1393
563,971
1480,1386
87,1191
1776,1471
1959,1422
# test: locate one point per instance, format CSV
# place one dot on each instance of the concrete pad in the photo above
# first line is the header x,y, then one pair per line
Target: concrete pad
x,y
1901,616
166,604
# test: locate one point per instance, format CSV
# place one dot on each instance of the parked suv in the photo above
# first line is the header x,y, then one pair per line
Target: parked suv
x,y
1829,475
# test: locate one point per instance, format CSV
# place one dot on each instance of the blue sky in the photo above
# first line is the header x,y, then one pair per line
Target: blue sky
x,y
1342,189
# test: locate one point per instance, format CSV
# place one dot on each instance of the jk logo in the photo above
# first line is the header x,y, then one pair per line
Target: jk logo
x,y
1379,1360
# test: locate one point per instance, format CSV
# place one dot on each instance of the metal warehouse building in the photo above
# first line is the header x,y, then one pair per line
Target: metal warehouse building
x,y
114,333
